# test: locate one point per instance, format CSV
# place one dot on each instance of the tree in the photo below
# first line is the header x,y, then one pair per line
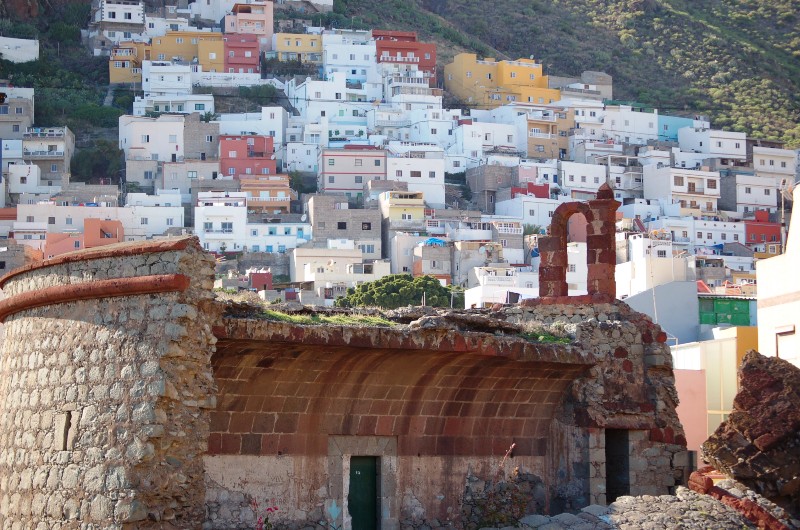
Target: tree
x,y
399,290
102,161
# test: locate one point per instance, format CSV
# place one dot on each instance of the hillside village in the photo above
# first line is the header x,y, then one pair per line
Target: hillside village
x,y
367,168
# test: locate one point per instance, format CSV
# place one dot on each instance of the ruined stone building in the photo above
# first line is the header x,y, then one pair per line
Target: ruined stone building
x,y
131,398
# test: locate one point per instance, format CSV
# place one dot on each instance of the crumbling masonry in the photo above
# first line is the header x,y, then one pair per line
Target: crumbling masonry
x,y
129,398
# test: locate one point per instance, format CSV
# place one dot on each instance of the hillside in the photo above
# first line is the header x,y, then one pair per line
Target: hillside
x,y
738,61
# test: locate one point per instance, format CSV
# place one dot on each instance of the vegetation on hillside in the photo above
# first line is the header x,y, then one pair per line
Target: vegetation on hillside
x,y
733,60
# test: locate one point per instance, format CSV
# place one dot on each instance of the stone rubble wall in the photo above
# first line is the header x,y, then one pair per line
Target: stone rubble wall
x,y
104,401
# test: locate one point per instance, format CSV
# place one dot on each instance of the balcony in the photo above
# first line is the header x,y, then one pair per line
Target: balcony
x,y
407,224
506,230
38,132
42,154
392,123
546,136
397,59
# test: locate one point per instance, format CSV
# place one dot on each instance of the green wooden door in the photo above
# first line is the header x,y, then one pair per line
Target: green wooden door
x,y
362,499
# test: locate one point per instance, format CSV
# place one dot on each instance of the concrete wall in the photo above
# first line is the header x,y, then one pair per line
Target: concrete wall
x,y
674,306
104,388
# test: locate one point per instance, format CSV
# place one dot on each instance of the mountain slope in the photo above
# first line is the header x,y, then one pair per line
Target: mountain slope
x,y
737,61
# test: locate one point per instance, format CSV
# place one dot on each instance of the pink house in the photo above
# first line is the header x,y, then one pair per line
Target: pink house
x,y
242,54
252,19
246,155
96,233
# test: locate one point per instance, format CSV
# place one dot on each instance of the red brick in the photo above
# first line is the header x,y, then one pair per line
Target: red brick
x,y
220,421
286,423
231,444
263,423
454,427
295,404
669,435
241,422
551,274
550,244
251,444
620,352
434,426
366,427
214,443
431,408
269,444
380,407
627,365
445,445
464,446
656,435
384,426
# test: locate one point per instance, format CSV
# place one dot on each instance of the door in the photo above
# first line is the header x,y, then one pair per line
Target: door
x,y
362,499
618,482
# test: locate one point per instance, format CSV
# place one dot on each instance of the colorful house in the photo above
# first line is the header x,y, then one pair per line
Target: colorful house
x,y
242,54
401,48
488,83
251,19
246,155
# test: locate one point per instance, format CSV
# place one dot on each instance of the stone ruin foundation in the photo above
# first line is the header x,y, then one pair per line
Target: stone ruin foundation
x,y
130,398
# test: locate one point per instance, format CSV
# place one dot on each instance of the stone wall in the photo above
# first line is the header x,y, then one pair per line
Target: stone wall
x,y
105,384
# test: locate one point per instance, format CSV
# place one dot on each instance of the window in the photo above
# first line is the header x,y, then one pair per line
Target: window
x,y
747,190
700,235
359,162
513,75
53,168
456,163
227,227
571,267
230,54
68,220
766,191
432,174
661,253
531,212
287,231
736,237
248,53
359,179
597,180
416,174
712,184
763,237
366,226
377,163
783,164
112,14
469,74
76,244
678,181
724,236
331,161
145,138
209,138
173,138
331,179
341,225
51,220
15,128
433,131
143,221
708,235
398,173
148,175
212,55
199,106
170,221
231,171
406,216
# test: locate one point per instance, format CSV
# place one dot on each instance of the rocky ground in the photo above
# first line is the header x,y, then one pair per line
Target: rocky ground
x,y
686,510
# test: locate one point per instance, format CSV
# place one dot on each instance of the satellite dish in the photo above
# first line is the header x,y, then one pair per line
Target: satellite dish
x,y
303,218
482,250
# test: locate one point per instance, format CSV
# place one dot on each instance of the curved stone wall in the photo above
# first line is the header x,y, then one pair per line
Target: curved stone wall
x,y
105,384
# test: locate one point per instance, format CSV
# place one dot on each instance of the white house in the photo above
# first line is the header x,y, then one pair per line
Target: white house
x,y
629,125
271,121
779,297
691,188
725,145
530,210
581,181
421,166
144,217
158,138
651,263
351,53
221,223
184,103
160,78
19,50
27,178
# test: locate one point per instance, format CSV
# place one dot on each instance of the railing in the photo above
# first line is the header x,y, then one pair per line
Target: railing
x,y
541,135
43,154
392,123
397,59
218,231
256,200
43,133
501,230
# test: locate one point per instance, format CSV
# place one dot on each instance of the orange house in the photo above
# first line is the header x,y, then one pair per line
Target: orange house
x,y
246,155
96,233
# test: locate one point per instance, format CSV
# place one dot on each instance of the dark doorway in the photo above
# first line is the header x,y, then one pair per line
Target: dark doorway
x,y
618,478
362,499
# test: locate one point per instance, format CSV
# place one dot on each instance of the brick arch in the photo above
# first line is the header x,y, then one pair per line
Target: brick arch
x,y
280,398
600,214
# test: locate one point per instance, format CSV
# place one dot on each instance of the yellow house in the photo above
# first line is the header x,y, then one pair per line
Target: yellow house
x,y
207,49
297,47
548,130
488,83
402,208
125,63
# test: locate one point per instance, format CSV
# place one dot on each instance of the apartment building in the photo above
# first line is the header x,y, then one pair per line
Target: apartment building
x,y
16,113
205,49
251,19
270,194
489,83
332,220
420,166
630,125
242,53
51,149
303,47
242,155
728,146
779,165
347,170
351,53
402,51
697,191
744,192
401,212
113,21
125,62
